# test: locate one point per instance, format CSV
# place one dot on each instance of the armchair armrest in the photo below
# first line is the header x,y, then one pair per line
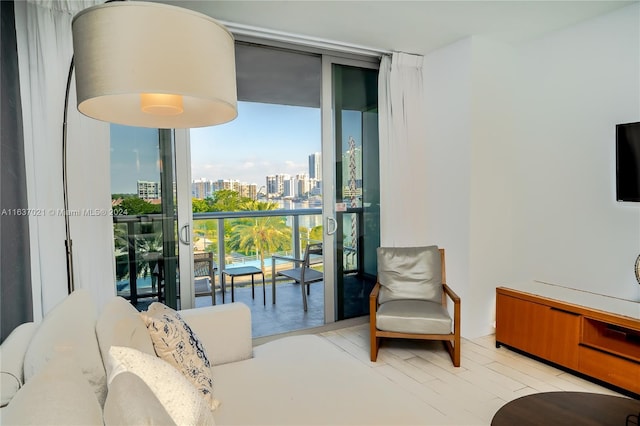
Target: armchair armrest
x,y
452,295
373,296
373,306
225,331
291,259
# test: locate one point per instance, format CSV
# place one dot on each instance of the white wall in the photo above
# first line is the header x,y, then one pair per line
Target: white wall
x,y
521,162
447,80
469,98
575,86
492,149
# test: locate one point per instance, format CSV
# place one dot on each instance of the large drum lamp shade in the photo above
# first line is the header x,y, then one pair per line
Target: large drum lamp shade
x,y
153,65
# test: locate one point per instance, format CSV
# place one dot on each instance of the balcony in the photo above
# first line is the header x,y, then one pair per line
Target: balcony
x,y
140,246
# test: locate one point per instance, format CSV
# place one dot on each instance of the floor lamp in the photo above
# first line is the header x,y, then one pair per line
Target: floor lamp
x,y
149,65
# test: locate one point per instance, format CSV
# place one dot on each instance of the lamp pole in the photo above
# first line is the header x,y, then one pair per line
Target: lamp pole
x,y
67,242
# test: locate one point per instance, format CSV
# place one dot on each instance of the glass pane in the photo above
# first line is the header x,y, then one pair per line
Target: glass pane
x,y
143,199
257,187
357,187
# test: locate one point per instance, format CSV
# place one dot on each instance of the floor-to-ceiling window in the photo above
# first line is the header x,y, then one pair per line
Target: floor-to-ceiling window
x,y
298,166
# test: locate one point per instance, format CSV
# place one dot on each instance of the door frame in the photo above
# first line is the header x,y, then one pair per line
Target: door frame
x,y
184,218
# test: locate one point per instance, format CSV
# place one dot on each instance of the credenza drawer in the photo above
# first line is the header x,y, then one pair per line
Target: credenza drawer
x,y
611,369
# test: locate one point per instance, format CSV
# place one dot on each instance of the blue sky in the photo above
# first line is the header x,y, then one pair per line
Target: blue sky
x,y
264,139
134,156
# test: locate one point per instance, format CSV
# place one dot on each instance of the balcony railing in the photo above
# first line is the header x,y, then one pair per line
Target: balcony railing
x,y
312,217
139,243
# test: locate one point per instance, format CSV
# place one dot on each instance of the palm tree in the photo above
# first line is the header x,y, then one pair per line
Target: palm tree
x,y
260,234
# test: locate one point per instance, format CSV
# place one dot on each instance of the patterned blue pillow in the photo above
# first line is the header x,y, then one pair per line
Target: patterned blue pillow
x,y
175,342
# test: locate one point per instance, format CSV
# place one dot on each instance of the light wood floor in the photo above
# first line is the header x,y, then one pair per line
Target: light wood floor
x,y
469,395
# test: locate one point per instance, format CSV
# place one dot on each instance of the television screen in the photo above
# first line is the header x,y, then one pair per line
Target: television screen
x,y
628,162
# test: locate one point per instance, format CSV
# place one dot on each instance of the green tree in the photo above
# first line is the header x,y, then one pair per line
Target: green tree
x,y
316,234
227,200
136,206
199,206
261,235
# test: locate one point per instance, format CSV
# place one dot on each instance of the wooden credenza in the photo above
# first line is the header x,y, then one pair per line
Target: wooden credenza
x,y
598,344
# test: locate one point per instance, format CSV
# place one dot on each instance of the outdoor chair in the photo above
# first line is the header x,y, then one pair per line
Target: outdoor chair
x,y
303,274
409,300
204,272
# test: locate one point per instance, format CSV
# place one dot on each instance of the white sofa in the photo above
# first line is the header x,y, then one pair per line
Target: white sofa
x,y
49,370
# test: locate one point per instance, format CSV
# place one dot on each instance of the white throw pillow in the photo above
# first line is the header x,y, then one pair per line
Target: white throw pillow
x,y
182,401
119,324
70,329
58,394
175,342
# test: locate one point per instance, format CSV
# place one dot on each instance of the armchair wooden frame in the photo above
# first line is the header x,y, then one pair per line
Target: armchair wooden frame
x,y
451,341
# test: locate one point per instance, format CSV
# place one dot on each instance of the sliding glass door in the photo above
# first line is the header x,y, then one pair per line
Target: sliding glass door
x,y
352,208
146,217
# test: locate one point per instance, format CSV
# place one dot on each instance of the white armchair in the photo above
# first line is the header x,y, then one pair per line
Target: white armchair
x,y
409,301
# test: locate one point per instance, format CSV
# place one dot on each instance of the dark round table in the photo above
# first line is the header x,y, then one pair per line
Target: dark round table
x,y
568,408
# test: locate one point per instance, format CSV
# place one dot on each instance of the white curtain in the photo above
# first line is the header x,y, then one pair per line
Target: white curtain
x,y
43,30
402,151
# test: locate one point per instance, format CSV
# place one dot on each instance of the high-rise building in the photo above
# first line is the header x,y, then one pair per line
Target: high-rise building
x,y
148,190
315,166
201,189
302,185
288,188
249,190
230,184
272,186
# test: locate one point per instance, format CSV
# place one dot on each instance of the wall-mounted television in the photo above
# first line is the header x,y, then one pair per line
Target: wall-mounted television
x,y
628,162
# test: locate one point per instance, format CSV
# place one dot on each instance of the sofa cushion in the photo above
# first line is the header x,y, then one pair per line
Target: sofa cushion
x,y
69,328
12,353
175,342
413,316
120,409
119,324
182,401
224,330
58,394
409,273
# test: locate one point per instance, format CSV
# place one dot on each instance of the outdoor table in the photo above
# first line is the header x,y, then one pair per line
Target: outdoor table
x,y
240,272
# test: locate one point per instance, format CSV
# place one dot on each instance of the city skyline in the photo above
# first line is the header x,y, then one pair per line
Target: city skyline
x,y
265,139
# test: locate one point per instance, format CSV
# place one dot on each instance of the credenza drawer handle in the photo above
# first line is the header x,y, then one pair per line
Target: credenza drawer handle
x,y
565,312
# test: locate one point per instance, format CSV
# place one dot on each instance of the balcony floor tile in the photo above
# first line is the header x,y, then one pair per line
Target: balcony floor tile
x,y
286,315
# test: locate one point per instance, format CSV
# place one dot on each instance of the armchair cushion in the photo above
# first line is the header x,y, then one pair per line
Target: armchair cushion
x,y
410,273
414,317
